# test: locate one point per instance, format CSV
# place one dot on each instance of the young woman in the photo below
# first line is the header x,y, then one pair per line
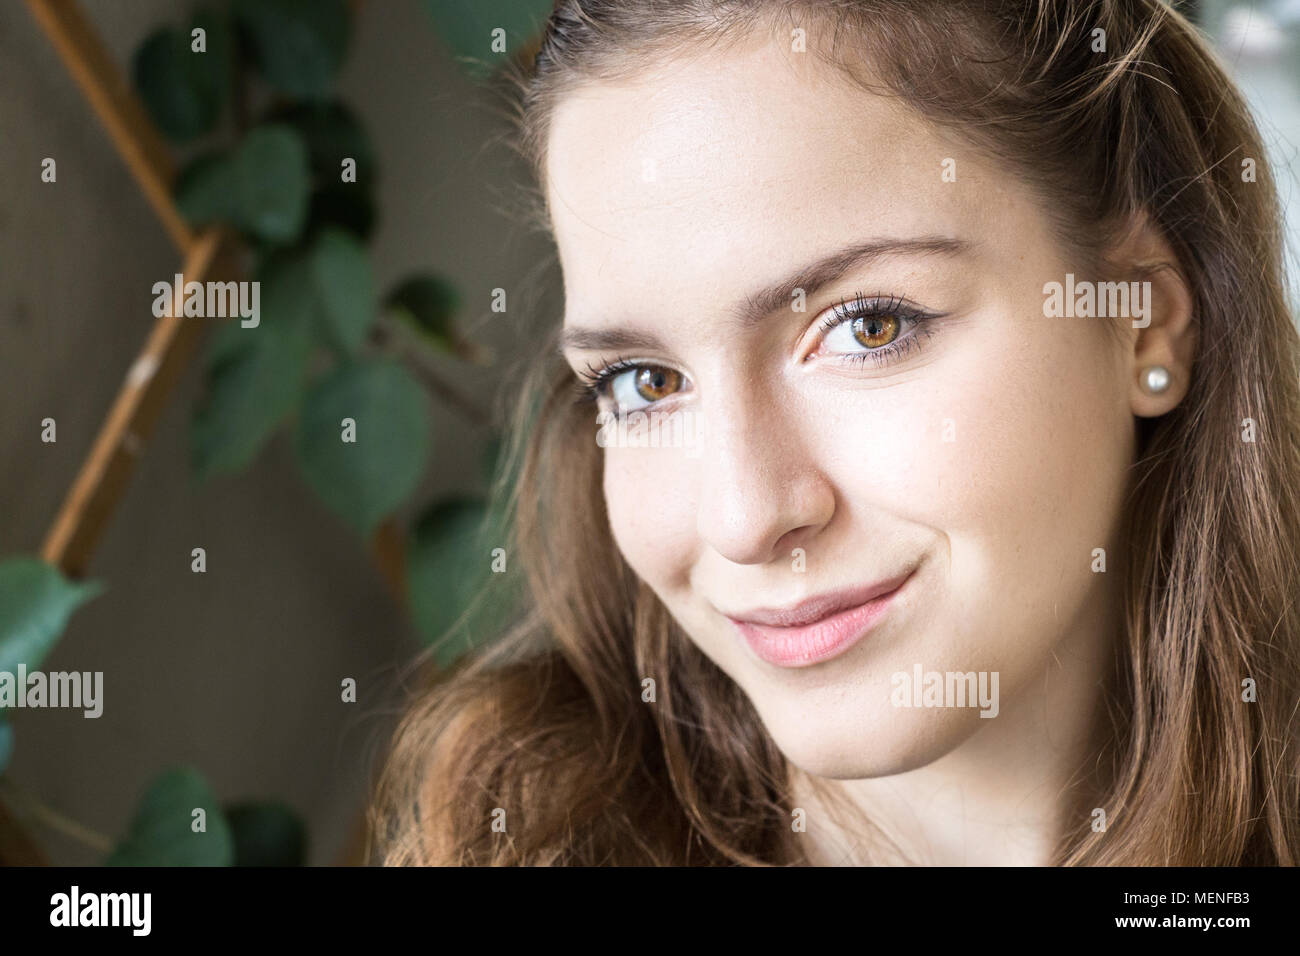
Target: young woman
x,y
980,543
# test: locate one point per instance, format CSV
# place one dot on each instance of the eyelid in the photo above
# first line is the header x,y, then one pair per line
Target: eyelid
x,y
861,304
621,364
596,381
919,328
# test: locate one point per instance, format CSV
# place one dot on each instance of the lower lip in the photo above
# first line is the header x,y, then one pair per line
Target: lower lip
x,y
814,643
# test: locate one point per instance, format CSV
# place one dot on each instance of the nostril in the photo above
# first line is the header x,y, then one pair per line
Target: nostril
x,y
793,542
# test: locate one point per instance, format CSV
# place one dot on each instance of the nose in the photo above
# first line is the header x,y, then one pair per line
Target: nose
x,y
762,493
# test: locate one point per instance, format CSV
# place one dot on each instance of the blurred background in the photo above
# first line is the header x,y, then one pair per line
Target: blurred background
x,y
236,672
411,291
1260,43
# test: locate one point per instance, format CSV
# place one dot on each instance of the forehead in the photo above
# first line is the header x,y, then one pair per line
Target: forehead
x,y
725,168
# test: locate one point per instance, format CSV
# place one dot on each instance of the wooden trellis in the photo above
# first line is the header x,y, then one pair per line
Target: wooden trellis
x,y
149,382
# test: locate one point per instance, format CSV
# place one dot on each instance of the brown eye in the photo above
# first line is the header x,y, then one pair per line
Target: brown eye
x,y
654,383
873,331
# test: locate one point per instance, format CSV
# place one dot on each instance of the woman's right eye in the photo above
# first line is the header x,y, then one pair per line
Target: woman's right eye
x,y
636,386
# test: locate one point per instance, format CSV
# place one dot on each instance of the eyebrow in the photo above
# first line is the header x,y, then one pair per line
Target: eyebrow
x,y
810,278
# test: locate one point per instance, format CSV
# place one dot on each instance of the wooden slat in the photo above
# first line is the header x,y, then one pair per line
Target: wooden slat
x,y
143,396
103,477
137,140
146,155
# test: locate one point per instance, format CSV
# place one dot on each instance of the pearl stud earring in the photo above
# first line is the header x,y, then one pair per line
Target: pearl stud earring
x,y
1155,379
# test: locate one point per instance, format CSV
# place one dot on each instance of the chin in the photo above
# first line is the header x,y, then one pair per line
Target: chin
x,y
866,742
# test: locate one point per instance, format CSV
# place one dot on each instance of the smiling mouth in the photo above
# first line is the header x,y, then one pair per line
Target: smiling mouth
x,y
819,628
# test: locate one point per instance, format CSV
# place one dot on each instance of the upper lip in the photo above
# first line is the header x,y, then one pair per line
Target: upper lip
x,y
818,608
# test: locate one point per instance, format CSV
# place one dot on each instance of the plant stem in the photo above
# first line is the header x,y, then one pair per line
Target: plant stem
x,y
383,336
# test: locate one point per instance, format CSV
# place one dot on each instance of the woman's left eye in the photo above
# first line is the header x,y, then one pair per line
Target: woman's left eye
x,y
872,328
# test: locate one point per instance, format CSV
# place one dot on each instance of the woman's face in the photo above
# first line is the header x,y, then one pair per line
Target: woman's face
x,y
909,416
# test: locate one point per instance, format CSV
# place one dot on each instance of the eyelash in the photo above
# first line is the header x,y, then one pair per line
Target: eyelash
x,y
594,382
863,306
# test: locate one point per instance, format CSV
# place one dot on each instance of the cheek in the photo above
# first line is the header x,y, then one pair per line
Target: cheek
x,y
993,420
1013,449
1038,460
651,500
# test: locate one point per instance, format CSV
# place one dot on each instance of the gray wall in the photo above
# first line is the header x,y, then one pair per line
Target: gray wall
x,y
235,671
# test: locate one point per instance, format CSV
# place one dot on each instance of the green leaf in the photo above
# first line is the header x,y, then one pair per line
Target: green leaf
x,y
203,189
184,90
299,44
449,573
36,601
161,832
344,286
271,183
346,206
428,304
466,28
256,376
332,134
267,834
363,481
261,188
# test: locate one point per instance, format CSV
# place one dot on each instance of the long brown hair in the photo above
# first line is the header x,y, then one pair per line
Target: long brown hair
x,y
549,725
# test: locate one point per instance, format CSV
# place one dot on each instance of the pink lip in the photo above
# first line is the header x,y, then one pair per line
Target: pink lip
x,y
819,628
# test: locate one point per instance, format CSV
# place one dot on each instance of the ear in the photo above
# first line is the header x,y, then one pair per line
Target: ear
x,y
1163,332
